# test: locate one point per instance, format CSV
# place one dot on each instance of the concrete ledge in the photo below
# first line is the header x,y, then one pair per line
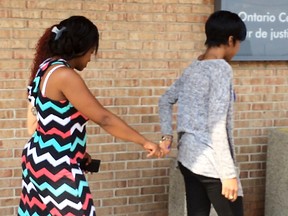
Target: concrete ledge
x,y
276,203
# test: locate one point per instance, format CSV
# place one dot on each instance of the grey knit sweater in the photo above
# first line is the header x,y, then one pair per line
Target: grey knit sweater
x,y
204,94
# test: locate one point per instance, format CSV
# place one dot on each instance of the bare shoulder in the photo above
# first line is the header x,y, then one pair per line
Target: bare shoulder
x,y
66,77
66,73
63,81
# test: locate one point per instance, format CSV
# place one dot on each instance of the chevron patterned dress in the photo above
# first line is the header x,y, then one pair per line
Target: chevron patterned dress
x,y
52,182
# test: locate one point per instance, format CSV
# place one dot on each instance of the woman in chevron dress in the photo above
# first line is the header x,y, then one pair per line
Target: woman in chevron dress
x,y
59,106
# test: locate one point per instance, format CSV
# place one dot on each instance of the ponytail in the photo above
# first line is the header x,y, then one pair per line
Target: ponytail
x,y
42,53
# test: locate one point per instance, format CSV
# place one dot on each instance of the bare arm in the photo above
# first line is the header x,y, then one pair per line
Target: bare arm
x,y
31,120
75,90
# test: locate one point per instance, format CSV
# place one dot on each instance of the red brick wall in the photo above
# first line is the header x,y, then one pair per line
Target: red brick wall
x,y
144,46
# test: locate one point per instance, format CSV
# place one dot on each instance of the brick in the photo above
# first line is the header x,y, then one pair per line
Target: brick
x,y
179,9
144,46
138,1
257,174
259,140
105,211
262,106
103,175
131,119
5,173
127,156
167,1
96,6
127,192
113,166
191,18
12,143
139,164
7,211
250,166
139,182
149,100
126,209
250,149
275,81
141,200
114,201
161,181
5,154
154,173
6,114
154,206
153,190
161,198
5,134
113,184
200,9
10,23
280,72
165,18
30,14
152,8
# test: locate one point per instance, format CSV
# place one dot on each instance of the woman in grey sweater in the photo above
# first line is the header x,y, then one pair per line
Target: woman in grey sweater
x,y
204,93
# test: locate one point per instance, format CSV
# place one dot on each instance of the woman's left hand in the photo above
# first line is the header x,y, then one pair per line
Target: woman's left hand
x,y
165,146
89,159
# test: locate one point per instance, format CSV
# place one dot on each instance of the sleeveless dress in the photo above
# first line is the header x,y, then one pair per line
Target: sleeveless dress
x,y
52,182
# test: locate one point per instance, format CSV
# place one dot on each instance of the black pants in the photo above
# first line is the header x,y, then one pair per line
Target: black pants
x,y
203,191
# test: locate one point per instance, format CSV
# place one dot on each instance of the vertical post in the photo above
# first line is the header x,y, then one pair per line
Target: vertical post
x,y
276,203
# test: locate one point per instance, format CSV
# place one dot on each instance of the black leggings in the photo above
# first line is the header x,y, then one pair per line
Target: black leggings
x,y
201,191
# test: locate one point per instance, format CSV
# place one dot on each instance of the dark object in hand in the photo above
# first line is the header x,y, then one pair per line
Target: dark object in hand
x,y
91,167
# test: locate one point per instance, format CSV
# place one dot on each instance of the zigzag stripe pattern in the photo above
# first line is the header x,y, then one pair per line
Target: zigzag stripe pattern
x,y
52,182
26,213
76,172
66,134
28,186
53,143
51,117
50,105
64,188
48,174
46,157
32,202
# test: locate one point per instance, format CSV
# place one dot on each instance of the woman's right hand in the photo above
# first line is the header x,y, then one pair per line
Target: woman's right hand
x,y
230,189
153,149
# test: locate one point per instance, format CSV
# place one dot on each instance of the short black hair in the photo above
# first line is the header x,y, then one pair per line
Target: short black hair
x,y
221,25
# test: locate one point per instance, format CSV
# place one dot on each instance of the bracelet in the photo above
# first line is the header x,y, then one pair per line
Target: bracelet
x,y
167,137
34,111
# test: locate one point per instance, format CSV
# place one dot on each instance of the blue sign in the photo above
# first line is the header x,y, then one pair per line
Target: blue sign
x,y
267,28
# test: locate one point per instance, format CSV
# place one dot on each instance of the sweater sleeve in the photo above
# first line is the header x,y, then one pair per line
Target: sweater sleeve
x,y
219,105
166,102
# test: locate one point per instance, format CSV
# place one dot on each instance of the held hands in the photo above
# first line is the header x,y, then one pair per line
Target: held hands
x,y
230,189
160,150
153,149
